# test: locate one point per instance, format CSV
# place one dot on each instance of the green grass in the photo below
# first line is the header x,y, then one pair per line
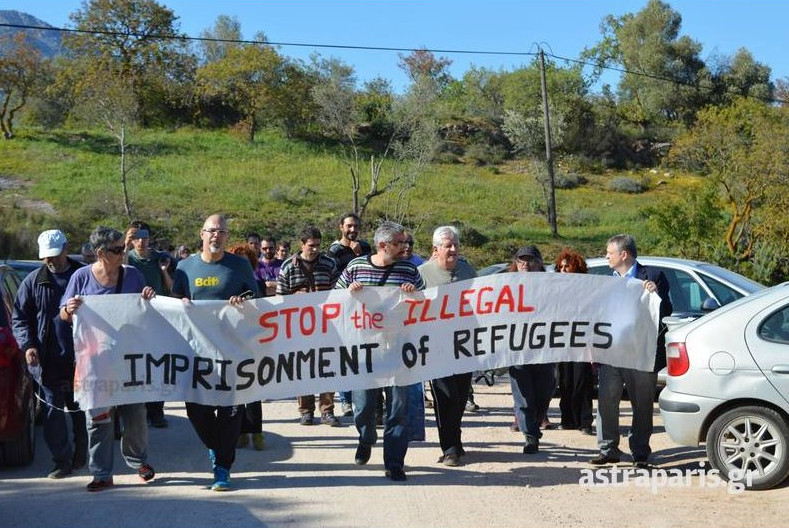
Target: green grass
x,y
279,186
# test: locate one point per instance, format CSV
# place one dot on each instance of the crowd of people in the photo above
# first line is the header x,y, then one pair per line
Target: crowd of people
x,y
116,262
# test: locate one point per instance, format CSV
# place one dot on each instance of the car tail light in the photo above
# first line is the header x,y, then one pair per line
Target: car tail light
x,y
677,359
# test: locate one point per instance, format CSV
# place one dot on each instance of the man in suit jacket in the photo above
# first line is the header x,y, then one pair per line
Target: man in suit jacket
x,y
621,254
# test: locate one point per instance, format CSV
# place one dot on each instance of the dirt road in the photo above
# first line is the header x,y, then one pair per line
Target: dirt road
x,y
306,477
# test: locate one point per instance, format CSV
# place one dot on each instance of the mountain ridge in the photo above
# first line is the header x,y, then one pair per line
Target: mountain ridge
x,y
48,43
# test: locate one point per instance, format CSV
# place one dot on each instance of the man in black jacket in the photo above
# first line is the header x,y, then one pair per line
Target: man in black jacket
x,y
621,254
47,341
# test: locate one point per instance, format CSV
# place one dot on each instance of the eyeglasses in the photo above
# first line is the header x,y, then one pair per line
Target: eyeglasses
x,y
215,231
116,250
409,242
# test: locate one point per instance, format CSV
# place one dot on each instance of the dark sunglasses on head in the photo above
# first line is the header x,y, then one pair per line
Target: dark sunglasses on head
x,y
117,250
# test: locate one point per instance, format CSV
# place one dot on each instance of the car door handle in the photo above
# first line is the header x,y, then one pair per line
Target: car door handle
x,y
780,369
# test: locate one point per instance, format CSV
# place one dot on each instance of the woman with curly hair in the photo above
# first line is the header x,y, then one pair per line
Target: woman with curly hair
x,y
576,379
252,424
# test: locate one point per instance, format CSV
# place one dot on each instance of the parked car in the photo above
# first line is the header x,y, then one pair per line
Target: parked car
x,y
17,400
22,267
728,386
695,287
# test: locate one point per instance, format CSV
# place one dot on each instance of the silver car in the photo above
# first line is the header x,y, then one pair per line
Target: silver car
x,y
695,287
728,386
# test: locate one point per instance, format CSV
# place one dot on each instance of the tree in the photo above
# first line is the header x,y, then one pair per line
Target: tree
x,y
741,75
113,104
744,150
249,79
662,69
220,38
20,71
135,39
422,66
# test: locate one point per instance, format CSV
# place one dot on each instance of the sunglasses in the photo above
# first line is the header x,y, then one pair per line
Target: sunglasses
x,y
116,250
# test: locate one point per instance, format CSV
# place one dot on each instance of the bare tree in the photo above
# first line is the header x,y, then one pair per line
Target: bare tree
x,y
405,143
20,68
113,105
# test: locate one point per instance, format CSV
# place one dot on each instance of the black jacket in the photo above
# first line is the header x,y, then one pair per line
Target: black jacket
x,y
645,273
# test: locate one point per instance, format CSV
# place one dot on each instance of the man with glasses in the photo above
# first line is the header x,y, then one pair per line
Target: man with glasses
x,y
215,274
386,268
410,256
268,265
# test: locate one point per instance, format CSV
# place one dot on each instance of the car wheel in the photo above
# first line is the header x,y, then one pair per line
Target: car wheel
x,y
750,445
20,452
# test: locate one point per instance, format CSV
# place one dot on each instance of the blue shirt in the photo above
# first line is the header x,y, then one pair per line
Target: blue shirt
x,y
630,274
214,281
84,283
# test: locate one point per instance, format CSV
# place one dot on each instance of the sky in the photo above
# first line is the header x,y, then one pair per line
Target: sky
x,y
562,27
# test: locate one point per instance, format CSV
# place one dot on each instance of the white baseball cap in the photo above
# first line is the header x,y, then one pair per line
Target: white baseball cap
x,y
51,243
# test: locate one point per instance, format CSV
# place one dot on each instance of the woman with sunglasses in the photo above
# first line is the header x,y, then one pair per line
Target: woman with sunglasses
x,y
106,276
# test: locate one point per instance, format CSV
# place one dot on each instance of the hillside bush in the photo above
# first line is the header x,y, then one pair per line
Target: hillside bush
x,y
623,184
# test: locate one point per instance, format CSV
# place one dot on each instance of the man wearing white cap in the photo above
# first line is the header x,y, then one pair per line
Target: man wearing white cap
x,y
47,341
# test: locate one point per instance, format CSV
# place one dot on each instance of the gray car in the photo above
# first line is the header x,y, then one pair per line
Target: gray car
x,y
728,384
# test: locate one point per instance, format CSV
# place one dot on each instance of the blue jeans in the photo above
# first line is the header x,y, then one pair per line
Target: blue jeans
x,y
395,425
641,390
59,394
101,438
532,387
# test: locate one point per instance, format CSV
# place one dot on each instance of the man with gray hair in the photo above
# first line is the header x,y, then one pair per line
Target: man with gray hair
x,y
621,254
47,341
451,392
386,268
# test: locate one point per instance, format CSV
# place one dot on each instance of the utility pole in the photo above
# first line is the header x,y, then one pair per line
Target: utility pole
x,y
548,155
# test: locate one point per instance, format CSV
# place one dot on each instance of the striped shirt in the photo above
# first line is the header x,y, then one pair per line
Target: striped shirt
x,y
363,271
294,275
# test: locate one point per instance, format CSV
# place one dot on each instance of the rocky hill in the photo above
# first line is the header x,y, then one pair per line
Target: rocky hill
x,y
49,43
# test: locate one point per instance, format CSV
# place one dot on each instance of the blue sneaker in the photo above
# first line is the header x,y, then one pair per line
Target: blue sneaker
x,y
221,479
212,458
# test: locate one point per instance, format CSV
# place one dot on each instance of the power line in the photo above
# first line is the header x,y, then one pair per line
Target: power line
x,y
268,43
378,48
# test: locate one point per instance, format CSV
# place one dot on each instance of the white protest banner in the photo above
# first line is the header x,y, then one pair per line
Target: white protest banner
x,y
130,350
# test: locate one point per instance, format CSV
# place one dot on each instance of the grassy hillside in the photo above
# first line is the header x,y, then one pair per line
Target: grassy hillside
x,y
71,180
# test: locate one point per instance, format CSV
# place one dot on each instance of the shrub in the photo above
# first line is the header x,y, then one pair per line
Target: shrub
x,y
563,180
484,154
581,217
624,184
